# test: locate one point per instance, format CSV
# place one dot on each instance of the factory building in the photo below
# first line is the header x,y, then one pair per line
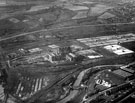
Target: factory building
x,y
60,49
60,53
54,58
70,57
89,53
117,49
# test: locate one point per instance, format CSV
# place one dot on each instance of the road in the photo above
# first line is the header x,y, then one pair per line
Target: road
x,y
77,83
71,27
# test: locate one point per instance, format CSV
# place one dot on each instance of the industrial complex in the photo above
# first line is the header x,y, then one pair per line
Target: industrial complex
x,y
67,51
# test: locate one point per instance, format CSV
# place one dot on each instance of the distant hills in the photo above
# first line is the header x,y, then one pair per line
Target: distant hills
x,y
24,2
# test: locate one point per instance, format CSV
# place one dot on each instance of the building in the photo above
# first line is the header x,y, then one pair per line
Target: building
x,y
117,49
89,53
54,58
60,49
70,57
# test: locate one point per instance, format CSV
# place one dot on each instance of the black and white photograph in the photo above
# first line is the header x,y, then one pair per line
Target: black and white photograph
x,y
67,51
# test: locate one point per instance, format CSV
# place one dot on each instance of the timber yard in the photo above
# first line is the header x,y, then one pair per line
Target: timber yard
x,y
67,51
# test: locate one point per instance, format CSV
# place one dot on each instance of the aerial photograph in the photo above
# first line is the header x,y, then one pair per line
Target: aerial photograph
x,y
67,51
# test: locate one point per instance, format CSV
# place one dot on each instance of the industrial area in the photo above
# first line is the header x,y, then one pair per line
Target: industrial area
x,y
67,51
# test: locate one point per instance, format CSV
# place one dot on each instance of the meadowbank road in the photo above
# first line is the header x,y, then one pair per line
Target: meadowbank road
x,y
61,28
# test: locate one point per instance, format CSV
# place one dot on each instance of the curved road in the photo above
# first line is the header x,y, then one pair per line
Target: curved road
x,y
77,83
